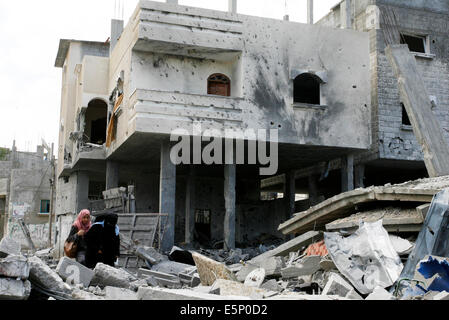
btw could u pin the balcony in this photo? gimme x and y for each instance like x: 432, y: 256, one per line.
x: 186, y: 31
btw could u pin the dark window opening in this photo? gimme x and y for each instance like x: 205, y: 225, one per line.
x: 415, y: 43
x: 45, y: 206
x: 202, y: 226
x: 95, y: 122
x: 306, y: 89
x: 405, y: 118
x: 219, y: 84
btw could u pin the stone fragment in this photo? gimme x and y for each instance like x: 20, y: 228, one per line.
x: 336, y: 285
x: 152, y: 293
x: 255, y: 278
x: 234, y: 288
x: 78, y: 294
x: 14, y: 266
x: 114, y: 293
x: 151, y: 254
x: 271, y: 285
x: 105, y: 275
x: 12, y: 289
x: 171, y: 267
x: 134, y: 285
x: 9, y: 246
x: 73, y: 272
x: 443, y: 295
x: 327, y: 265
x: 244, y: 271
x: 46, y: 277
x: 380, y: 293
x: 209, y: 270
x: 306, y: 266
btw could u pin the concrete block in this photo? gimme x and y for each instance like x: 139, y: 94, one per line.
x: 45, y: 276
x: 209, y: 270
x: 156, y: 274
x: 380, y: 293
x: 272, y: 266
x: 12, y: 289
x: 151, y: 254
x: 234, y: 288
x: 105, y: 275
x: 244, y: 271
x: 149, y: 293
x: 336, y: 285
x: 444, y: 295
x: 9, y: 246
x: 306, y: 266
x: 14, y: 266
x: 73, y: 272
x: 114, y: 293
x: 171, y: 267
x: 191, y: 280
x: 255, y: 278
x: 271, y: 285
x: 134, y: 285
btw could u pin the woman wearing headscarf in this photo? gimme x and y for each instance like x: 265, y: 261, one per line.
x: 77, y: 234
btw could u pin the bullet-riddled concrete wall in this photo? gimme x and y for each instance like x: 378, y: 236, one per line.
x: 261, y: 67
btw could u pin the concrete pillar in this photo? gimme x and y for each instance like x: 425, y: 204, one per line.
x: 289, y: 194
x: 313, y: 190
x: 345, y: 14
x: 232, y: 6
x: 310, y: 11
x: 82, y: 191
x: 229, y: 195
x: 190, y: 206
x: 359, y: 175
x: 347, y: 173
x: 112, y: 174
x: 172, y: 1
x: 116, y: 32
x: 167, y: 195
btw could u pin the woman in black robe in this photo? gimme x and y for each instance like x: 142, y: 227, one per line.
x: 103, y: 241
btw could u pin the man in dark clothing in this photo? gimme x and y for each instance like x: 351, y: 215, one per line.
x: 103, y: 241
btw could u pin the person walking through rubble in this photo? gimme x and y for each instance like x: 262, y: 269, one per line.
x: 77, y: 234
x: 103, y: 241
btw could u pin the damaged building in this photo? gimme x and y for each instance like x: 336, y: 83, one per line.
x: 326, y: 87
x: 26, y: 195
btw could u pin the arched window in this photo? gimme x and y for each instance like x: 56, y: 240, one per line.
x: 95, y: 121
x: 218, y: 84
x: 306, y: 89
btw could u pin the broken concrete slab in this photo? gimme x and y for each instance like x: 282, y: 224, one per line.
x: 336, y: 285
x: 9, y: 246
x: 209, y: 270
x: 293, y: 245
x: 306, y: 266
x: 14, y: 266
x: 444, y: 295
x: 73, y: 272
x: 13, y: 289
x: 105, y: 275
x: 150, y: 254
x: 114, y: 293
x: 380, y: 293
x: 402, y: 246
x: 271, y: 285
x: 191, y: 280
x: 234, y: 288
x: 255, y: 278
x: 366, y: 258
x: 244, y: 271
x: 151, y: 293
x: 162, y: 279
x: 42, y: 274
x: 327, y: 264
x: 134, y: 285
x: 171, y: 267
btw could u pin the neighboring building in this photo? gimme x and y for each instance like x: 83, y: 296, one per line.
x: 25, y: 192
x: 395, y: 155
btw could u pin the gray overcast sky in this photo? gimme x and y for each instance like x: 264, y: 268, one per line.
x: 30, y: 32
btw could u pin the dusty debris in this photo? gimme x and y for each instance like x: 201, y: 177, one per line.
x: 105, y: 275
x: 210, y: 270
x: 366, y: 258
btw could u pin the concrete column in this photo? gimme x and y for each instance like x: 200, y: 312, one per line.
x: 82, y: 191
x: 347, y: 173
x: 345, y: 14
x: 310, y: 11
x: 112, y: 174
x: 289, y: 194
x: 229, y: 195
x: 116, y: 32
x: 313, y: 190
x: 232, y: 6
x: 359, y: 174
x: 190, y: 206
x: 167, y: 195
